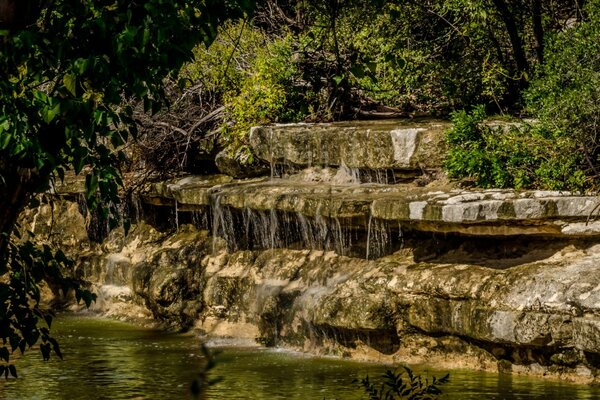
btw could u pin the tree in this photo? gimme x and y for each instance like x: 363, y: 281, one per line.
x: 66, y: 69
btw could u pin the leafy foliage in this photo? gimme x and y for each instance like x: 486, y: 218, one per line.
x: 26, y: 267
x: 251, y: 74
x: 64, y: 77
x: 264, y: 95
x: 518, y: 155
x: 562, y: 150
x: 566, y: 93
x: 404, y: 384
x: 344, y: 59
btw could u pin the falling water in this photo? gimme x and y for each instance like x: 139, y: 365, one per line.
x: 346, y: 175
x: 369, y: 236
x: 35, y: 216
x: 217, y: 219
x: 271, y: 153
x: 176, y: 215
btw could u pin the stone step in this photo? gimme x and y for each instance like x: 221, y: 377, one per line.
x: 471, y: 212
x: 402, y: 145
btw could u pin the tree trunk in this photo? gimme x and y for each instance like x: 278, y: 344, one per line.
x: 515, y: 39
x: 538, y: 29
x: 17, y: 14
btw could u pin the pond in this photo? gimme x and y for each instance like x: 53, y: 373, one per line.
x: 106, y: 359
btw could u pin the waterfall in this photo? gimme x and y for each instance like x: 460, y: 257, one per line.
x: 369, y: 236
x: 35, y: 216
x: 176, y: 215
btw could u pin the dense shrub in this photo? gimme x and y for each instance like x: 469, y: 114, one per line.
x: 566, y: 94
x: 562, y: 149
x: 519, y: 155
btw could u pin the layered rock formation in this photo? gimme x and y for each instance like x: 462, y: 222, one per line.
x: 486, y: 279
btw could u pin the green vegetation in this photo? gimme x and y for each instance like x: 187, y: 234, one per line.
x: 561, y: 149
x: 74, y: 94
x: 513, y: 155
x: 404, y: 384
x: 68, y: 69
x: 347, y: 59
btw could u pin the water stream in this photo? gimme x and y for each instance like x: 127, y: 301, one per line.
x: 112, y: 360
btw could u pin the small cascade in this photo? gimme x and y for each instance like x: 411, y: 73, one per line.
x: 317, y: 192
x: 217, y: 218
x: 346, y: 175
x: 379, y: 238
x: 35, y: 216
x: 136, y: 207
x: 251, y: 229
x: 176, y: 215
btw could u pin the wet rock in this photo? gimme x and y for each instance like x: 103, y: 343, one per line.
x: 537, y: 314
x: 399, y: 145
x: 233, y: 167
x: 470, y: 212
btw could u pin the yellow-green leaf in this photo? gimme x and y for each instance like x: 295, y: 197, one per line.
x: 70, y: 81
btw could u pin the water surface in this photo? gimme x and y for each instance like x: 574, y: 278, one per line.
x: 112, y: 360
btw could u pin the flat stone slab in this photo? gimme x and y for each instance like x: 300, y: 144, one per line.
x: 373, y: 145
x: 471, y: 212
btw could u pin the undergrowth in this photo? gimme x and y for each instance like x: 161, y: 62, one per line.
x: 513, y: 155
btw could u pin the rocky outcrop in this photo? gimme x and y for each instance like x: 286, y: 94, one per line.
x: 407, y: 272
x: 534, y: 315
x: 538, y: 317
x: 473, y: 212
x: 229, y: 165
x: 395, y: 145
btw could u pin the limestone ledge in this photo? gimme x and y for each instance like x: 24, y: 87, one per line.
x: 394, y: 144
x: 472, y: 212
x: 539, y: 316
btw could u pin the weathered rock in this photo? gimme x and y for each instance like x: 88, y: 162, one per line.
x: 396, y: 145
x: 335, y: 267
x: 190, y: 191
x: 539, y: 314
x: 470, y: 212
x: 229, y: 165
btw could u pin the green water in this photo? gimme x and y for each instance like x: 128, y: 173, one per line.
x: 113, y: 360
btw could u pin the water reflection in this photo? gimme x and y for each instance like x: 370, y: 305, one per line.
x: 112, y: 360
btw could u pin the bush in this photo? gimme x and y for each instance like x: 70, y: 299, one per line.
x: 404, y: 384
x: 566, y: 93
x: 512, y: 155
x: 252, y: 74
x: 265, y: 94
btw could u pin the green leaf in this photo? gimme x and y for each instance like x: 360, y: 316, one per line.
x: 32, y: 337
x: 337, y: 79
x: 5, y: 140
x: 56, y: 347
x: 70, y: 82
x: 49, y: 113
x: 4, y: 354
x: 45, y: 350
x: 48, y: 319
x: 14, y: 343
x: 81, y: 64
x: 91, y: 185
